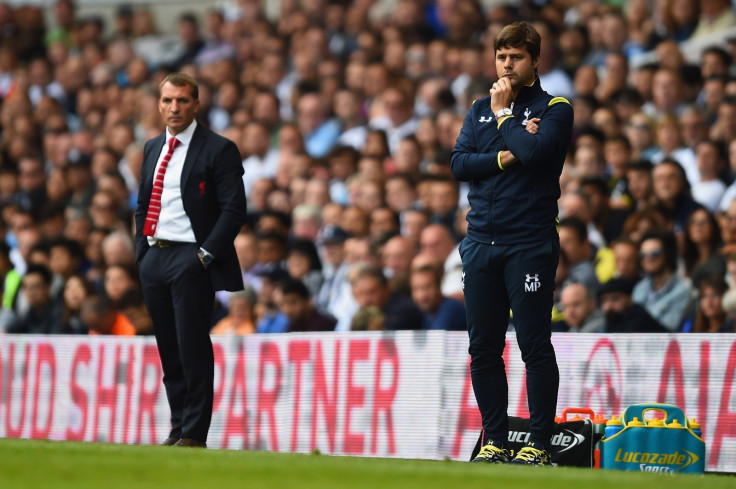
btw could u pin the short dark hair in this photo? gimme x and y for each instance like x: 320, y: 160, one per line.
x: 41, y: 270
x: 72, y: 247
x: 189, y: 17
x: 517, y: 35
x: 99, y: 304
x: 597, y: 183
x: 720, y: 150
x: 371, y: 271
x: 641, y: 165
x: 577, y: 225
x: 179, y: 79
x: 680, y: 171
x: 720, y: 52
x: 294, y: 286
x: 669, y: 245
x: 435, y: 270
x: 619, y: 138
x: 131, y: 298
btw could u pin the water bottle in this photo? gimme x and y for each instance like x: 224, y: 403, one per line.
x: 695, y: 427
x: 634, y: 423
x: 599, y: 428
x: 613, y: 426
x: 675, y: 424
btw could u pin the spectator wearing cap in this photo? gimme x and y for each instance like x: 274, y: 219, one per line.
x: 269, y: 319
x: 330, y: 242
x: 294, y: 301
x: 665, y: 296
x: 621, y: 313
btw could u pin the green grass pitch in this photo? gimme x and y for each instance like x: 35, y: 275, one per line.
x: 30, y: 464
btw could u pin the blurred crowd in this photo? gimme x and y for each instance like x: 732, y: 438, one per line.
x: 345, y: 114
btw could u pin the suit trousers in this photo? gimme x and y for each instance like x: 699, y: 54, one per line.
x: 179, y: 296
x: 520, y: 277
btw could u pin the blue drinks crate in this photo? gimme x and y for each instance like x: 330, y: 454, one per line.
x: 666, y: 445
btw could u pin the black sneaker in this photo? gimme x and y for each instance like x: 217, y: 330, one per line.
x: 492, y: 454
x: 531, y: 455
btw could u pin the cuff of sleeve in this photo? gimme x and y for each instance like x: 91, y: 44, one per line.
x: 503, y: 119
x: 499, y: 161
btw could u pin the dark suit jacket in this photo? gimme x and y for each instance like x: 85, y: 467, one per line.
x: 213, y: 197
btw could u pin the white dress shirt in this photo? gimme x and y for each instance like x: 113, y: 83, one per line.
x: 173, y: 221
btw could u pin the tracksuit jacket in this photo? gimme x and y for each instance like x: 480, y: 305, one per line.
x: 519, y: 204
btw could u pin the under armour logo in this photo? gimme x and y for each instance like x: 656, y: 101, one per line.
x: 485, y: 119
x: 532, y: 283
x: 527, y: 113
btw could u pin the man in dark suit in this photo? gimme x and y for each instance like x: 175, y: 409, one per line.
x: 191, y: 205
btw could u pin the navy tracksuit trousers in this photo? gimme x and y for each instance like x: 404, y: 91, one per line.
x: 497, y: 278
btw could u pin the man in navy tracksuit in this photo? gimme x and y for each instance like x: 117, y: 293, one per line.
x: 511, y: 149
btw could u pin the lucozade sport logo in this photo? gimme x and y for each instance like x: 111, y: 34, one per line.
x: 658, y: 462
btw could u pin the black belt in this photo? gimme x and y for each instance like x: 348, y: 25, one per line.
x: 163, y: 243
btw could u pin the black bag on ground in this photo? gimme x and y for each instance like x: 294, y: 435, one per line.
x: 572, y: 441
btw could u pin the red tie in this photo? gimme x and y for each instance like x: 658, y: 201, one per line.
x: 154, y: 206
